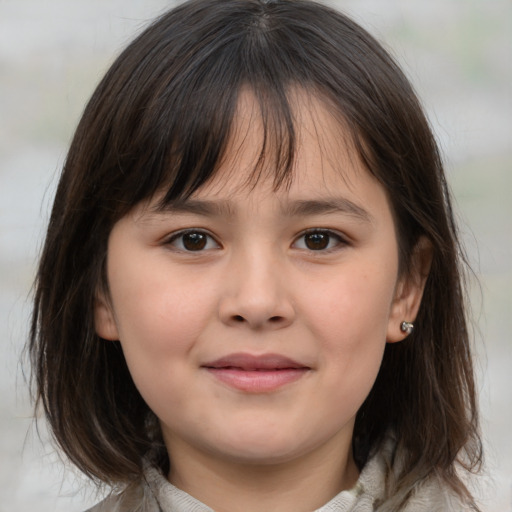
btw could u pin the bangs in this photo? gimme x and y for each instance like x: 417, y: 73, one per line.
x: 173, y: 96
x: 179, y: 124
x: 216, y: 140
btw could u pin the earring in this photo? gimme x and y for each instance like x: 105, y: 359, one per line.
x: 407, y: 327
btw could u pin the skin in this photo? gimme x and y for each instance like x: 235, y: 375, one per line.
x: 256, y: 287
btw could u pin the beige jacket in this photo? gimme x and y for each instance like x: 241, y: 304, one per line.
x: 156, y: 494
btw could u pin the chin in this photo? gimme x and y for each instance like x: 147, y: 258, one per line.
x: 264, y: 457
x: 263, y: 448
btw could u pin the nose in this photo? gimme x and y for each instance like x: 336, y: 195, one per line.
x: 256, y: 295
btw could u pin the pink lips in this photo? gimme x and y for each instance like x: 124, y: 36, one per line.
x: 256, y: 374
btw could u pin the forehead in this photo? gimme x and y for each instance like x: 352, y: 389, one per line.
x: 326, y: 176
x: 324, y: 158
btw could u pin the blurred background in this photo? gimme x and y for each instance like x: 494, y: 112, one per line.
x: 458, y: 53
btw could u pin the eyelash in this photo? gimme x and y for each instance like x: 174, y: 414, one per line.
x: 180, y: 234
x: 331, y: 235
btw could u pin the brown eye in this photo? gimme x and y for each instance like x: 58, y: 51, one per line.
x: 193, y: 241
x: 317, y: 241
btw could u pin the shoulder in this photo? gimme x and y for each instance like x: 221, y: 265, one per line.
x: 153, y: 493
x: 432, y: 494
x: 134, y: 498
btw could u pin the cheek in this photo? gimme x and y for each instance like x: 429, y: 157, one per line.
x: 158, y: 312
x: 158, y: 329
x: 349, y: 316
x: 355, y: 305
x: 159, y: 322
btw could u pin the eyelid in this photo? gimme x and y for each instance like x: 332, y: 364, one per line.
x: 342, y: 239
x: 175, y: 235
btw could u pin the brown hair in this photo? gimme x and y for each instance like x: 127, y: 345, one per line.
x: 160, y: 119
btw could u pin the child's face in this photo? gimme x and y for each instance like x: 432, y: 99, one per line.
x: 254, y: 322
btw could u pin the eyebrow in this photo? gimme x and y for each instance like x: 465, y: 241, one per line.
x: 329, y: 205
x: 296, y: 208
x: 197, y: 207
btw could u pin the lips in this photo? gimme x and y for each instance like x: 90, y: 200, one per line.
x: 255, y: 363
x: 256, y: 374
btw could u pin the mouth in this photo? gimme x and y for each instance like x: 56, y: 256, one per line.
x: 256, y: 374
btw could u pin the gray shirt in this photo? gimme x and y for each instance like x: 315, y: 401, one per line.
x: 156, y: 494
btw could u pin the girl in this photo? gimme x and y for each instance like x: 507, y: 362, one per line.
x: 250, y: 295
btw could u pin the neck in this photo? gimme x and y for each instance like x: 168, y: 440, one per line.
x: 303, y: 484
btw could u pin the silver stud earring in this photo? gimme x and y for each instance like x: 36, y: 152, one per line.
x: 407, y: 327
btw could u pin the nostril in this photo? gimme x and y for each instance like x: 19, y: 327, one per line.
x: 273, y: 319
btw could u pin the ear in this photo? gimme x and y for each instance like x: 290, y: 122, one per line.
x: 104, y: 320
x: 409, y: 291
